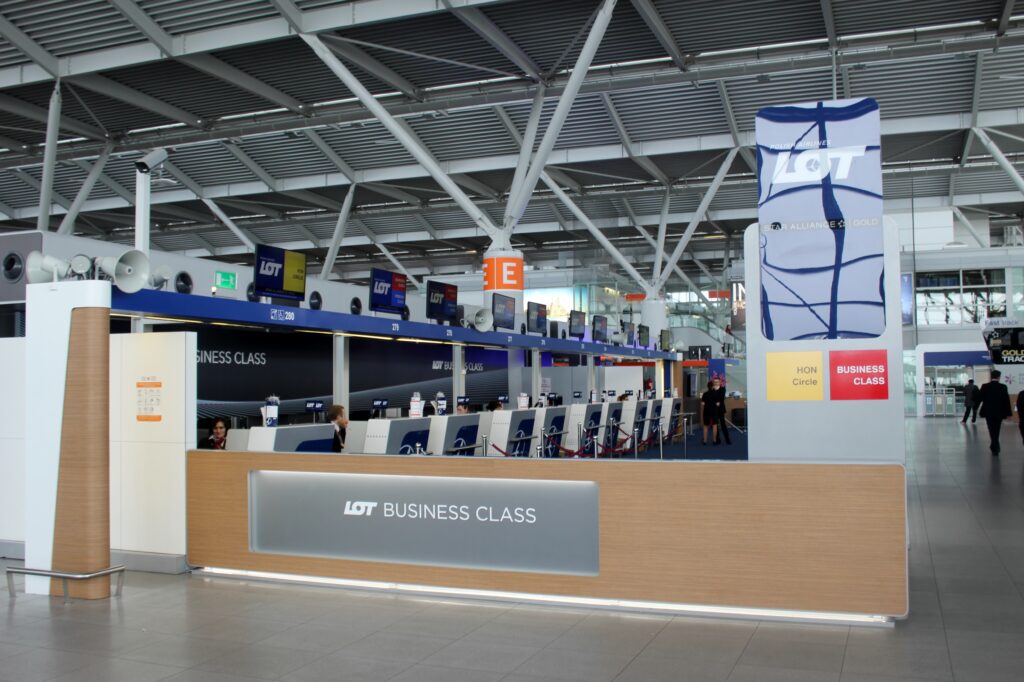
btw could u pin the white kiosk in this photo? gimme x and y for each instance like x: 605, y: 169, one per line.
x: 583, y: 424
x: 511, y: 433
x: 454, y: 434
x: 549, y: 430
x: 406, y: 436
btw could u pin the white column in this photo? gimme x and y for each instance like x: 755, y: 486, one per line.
x: 341, y: 375
x: 458, y: 375
x: 49, y: 160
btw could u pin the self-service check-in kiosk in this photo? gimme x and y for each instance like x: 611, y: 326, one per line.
x: 582, y: 425
x: 549, y: 430
x: 454, y: 434
x: 511, y: 433
x: 671, y: 417
x: 298, y: 438
x: 407, y: 436
x: 611, y: 420
x: 634, y: 420
x: 654, y: 411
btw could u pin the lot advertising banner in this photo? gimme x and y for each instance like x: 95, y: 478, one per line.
x: 820, y: 215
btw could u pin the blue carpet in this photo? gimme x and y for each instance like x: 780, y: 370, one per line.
x: 692, y: 449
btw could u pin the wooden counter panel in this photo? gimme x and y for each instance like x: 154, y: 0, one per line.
x: 815, y: 537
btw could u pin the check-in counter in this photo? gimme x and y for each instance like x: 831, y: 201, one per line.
x: 582, y: 426
x: 511, y: 433
x: 609, y: 435
x: 405, y: 436
x: 549, y: 430
x: 454, y: 434
x: 817, y: 539
x: 671, y: 417
x: 634, y: 420
x: 297, y: 438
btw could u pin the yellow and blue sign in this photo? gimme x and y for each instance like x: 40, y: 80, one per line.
x: 279, y: 273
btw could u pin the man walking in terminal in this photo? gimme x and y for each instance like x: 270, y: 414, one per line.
x: 995, y: 407
x: 970, y: 401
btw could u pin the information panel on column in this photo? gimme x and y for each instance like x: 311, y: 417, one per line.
x: 825, y: 337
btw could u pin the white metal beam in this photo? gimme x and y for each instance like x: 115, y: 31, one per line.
x: 498, y: 39
x: 13, y: 145
x: 705, y: 203
x: 68, y: 223
x: 390, y: 256
x: 145, y: 24
x: 49, y: 158
x: 644, y: 162
x: 221, y: 70
x: 474, y: 185
x: 205, y: 244
x: 375, y: 68
x: 28, y: 47
x: 291, y: 13
x: 182, y: 177
x: 333, y: 156
x: 525, y: 150
x: 979, y: 67
x: 830, y: 24
x: 315, y: 199
x: 406, y: 137
x: 339, y: 233
x: 251, y: 164
x: 394, y: 193
x: 659, y: 249
x: 255, y: 208
x: 677, y: 270
x: 1004, y: 17
x: 34, y: 113
x: 649, y: 13
x: 114, y: 90
x: 959, y: 214
x: 561, y: 113
x: 58, y: 199
x: 245, y: 237
x: 1000, y: 158
x: 734, y: 129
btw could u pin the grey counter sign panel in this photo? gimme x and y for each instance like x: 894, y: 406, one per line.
x: 481, y: 523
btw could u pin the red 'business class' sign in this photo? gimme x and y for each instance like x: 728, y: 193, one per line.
x: 858, y: 375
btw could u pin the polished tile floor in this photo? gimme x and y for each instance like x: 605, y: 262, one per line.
x: 966, y: 623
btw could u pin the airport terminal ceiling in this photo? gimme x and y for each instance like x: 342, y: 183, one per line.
x: 255, y: 122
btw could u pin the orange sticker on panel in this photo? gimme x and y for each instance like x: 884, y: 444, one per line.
x: 503, y: 273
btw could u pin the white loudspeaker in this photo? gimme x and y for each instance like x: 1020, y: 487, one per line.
x: 483, y: 321
x: 617, y: 338
x: 161, y: 276
x: 129, y: 271
x: 40, y: 269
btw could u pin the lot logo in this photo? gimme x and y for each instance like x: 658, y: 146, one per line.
x: 269, y: 267
x: 359, y: 508
x: 813, y: 165
x: 381, y: 287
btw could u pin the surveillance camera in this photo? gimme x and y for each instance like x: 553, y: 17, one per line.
x: 151, y: 161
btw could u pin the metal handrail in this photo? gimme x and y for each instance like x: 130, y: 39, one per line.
x: 65, y: 576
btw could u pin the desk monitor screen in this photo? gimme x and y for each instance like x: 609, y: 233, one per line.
x: 442, y: 301
x: 536, y: 318
x: 462, y: 400
x: 599, y: 328
x: 279, y: 273
x: 503, y: 398
x: 504, y: 310
x: 387, y: 291
x: 379, y: 404
x: 577, y: 324
x: 644, y: 336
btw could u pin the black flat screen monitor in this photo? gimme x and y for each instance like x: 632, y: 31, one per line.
x: 644, y: 335
x: 599, y: 328
x: 442, y: 301
x: 536, y: 318
x: 577, y: 324
x: 387, y: 291
x: 504, y: 310
x: 666, y: 339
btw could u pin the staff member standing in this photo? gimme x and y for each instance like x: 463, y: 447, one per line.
x: 995, y: 407
x: 336, y: 416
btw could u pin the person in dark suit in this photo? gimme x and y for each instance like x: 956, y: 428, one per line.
x: 723, y: 428
x: 995, y: 407
x: 970, y: 401
x: 336, y: 415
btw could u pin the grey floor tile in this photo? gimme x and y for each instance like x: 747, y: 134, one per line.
x: 184, y: 652
x: 316, y: 637
x: 340, y: 667
x: 480, y: 655
x: 426, y: 673
x: 38, y: 665
x: 7, y: 649
x: 537, y: 633
x: 260, y: 660
x: 654, y: 668
x: 898, y: 659
x: 196, y: 675
x: 860, y: 677
x: 746, y: 673
x: 592, y: 666
x: 396, y: 647
x: 240, y: 630
x: 119, y: 670
x: 800, y: 655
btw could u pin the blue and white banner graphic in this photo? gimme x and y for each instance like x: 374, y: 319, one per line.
x: 820, y: 215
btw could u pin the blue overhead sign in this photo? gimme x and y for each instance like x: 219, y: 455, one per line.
x: 387, y: 291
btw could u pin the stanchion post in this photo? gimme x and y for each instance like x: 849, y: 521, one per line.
x: 485, y: 445
x: 636, y: 443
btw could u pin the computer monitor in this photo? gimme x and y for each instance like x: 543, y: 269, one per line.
x: 666, y: 339
x: 629, y: 331
x: 279, y: 274
x: 577, y: 324
x: 442, y: 301
x: 387, y: 291
x: 644, y: 336
x: 536, y: 318
x: 503, y: 308
x: 599, y: 328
